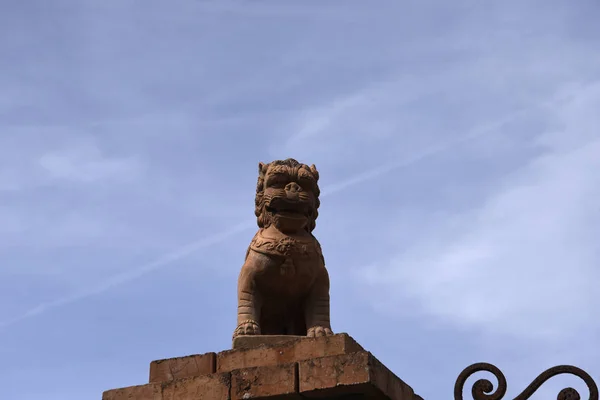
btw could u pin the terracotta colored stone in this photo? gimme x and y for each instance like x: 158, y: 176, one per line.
x: 331, y: 367
x: 294, y: 350
x: 350, y: 374
x: 276, y: 382
x: 205, y: 387
x: 142, y: 392
x: 253, y: 341
x: 182, y: 367
x: 284, y: 265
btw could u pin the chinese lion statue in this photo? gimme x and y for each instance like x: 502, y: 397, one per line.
x: 283, y: 286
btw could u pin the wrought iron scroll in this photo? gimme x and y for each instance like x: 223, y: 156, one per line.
x: 483, y: 388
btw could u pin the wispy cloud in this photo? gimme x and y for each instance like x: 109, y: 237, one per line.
x: 374, y: 173
x: 524, y: 262
x: 67, y: 155
x: 127, y: 131
x: 195, y: 246
x: 86, y: 165
x: 135, y: 273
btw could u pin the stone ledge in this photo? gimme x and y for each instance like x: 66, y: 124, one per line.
x: 357, y: 374
x: 253, y: 341
x: 253, y: 351
x: 274, y: 350
x: 151, y: 391
x: 334, y: 367
x: 205, y: 387
x: 182, y: 367
x: 257, y: 341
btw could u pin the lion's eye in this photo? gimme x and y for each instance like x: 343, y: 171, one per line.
x: 276, y: 183
x: 306, y: 184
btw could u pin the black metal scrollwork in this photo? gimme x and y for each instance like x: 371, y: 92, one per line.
x: 483, y: 388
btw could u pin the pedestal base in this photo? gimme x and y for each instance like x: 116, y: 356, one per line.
x: 272, y: 367
x: 252, y: 341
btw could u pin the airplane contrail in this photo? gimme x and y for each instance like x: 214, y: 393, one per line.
x: 186, y: 250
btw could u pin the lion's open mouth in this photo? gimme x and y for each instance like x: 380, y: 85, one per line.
x: 291, y: 211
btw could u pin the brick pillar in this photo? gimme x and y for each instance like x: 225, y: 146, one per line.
x: 272, y: 367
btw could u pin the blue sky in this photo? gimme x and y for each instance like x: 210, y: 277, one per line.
x: 458, y: 149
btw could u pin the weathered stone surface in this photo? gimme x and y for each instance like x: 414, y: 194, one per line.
x: 182, y: 367
x: 253, y: 341
x: 334, y: 367
x: 142, y: 392
x: 350, y: 374
x: 275, y: 382
x: 284, y: 264
x: 204, y: 387
x: 294, y: 350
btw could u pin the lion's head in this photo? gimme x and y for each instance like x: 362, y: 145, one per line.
x: 287, y: 195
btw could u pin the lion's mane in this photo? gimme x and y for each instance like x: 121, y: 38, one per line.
x: 263, y: 217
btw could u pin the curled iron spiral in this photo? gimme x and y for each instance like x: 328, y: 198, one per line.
x: 483, y: 388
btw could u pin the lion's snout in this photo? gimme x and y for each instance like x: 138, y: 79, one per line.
x: 293, y: 187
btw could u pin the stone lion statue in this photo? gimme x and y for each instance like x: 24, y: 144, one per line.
x: 283, y: 286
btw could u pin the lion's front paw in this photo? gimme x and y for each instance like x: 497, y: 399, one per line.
x: 248, y: 327
x: 317, y: 331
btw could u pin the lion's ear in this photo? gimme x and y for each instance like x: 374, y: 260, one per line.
x: 314, y: 171
x: 262, y: 168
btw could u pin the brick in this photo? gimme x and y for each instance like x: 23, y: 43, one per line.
x: 253, y: 341
x: 274, y: 382
x: 301, y: 348
x: 350, y: 374
x: 182, y: 367
x: 205, y: 387
x: 142, y: 392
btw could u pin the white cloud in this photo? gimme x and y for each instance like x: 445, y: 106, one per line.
x: 59, y: 155
x: 525, y: 262
x: 190, y: 248
x: 42, y: 172
x: 371, y: 113
x: 86, y: 165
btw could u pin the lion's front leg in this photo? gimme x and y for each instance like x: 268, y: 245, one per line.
x: 317, y: 308
x: 248, y: 315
